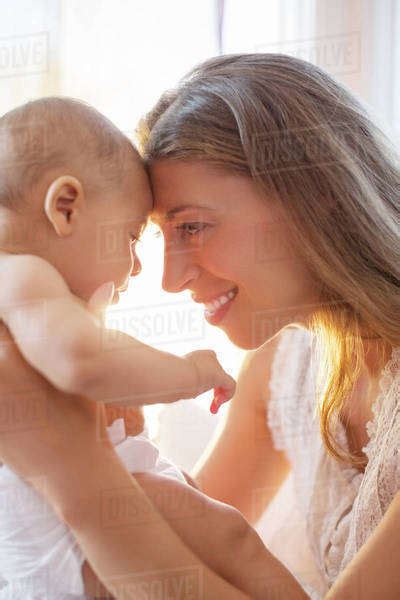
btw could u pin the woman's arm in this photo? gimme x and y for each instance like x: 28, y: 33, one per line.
x: 242, y: 466
x: 374, y: 572
x: 233, y: 550
x: 128, y: 543
x: 120, y: 531
x: 116, y: 522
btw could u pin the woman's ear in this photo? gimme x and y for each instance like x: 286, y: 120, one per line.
x: 63, y: 202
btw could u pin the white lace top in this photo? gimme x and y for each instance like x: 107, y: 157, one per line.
x: 341, y: 506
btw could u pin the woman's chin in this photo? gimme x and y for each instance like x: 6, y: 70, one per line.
x: 241, y: 337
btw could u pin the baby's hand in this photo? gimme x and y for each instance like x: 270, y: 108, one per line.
x: 210, y: 374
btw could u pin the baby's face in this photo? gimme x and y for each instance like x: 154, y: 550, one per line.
x: 119, y: 223
x: 102, y: 245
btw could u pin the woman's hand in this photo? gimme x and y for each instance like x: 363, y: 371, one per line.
x: 41, y: 427
x: 132, y: 415
x: 48, y: 424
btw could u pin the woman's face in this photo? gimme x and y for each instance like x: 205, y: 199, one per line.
x: 228, y: 244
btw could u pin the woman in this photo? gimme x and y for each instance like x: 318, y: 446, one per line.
x: 278, y: 201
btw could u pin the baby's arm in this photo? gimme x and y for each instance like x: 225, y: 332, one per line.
x: 68, y: 345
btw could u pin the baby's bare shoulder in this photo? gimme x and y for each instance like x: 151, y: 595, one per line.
x: 27, y: 277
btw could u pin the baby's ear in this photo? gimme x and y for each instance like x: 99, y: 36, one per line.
x: 63, y: 202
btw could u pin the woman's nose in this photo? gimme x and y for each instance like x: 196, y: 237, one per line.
x: 178, y: 273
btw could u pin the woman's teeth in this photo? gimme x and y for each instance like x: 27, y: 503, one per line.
x: 212, y: 307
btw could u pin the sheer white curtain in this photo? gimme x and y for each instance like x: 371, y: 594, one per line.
x: 29, y: 43
x: 121, y: 54
x: 356, y: 41
x: 372, y: 30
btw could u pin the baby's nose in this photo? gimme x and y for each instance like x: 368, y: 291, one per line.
x: 136, y: 268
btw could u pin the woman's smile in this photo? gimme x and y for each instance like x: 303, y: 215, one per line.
x: 216, y: 307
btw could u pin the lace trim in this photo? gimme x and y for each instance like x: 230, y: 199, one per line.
x: 289, y: 368
x: 386, y: 380
x: 335, y: 550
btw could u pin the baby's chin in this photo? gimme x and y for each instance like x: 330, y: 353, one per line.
x: 97, y: 298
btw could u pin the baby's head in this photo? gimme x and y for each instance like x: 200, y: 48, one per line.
x: 73, y: 191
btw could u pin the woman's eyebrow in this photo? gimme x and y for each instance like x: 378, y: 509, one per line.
x: 178, y: 209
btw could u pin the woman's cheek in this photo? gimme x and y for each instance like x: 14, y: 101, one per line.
x: 219, y: 258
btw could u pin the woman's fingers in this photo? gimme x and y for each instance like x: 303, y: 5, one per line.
x: 40, y: 424
x: 133, y: 417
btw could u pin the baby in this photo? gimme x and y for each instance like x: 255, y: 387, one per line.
x: 69, y: 179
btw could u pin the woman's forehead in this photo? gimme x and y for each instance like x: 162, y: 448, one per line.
x: 182, y: 184
x: 197, y: 186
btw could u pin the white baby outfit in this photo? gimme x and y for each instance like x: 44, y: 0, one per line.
x: 340, y: 505
x: 39, y: 556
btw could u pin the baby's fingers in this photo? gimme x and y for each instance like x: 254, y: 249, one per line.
x: 225, y: 386
x: 223, y: 392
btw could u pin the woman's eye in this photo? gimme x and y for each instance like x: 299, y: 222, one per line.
x: 191, y: 229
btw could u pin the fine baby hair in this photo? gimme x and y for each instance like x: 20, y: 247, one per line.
x: 54, y: 133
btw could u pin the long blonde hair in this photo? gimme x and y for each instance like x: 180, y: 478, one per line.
x: 309, y: 142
